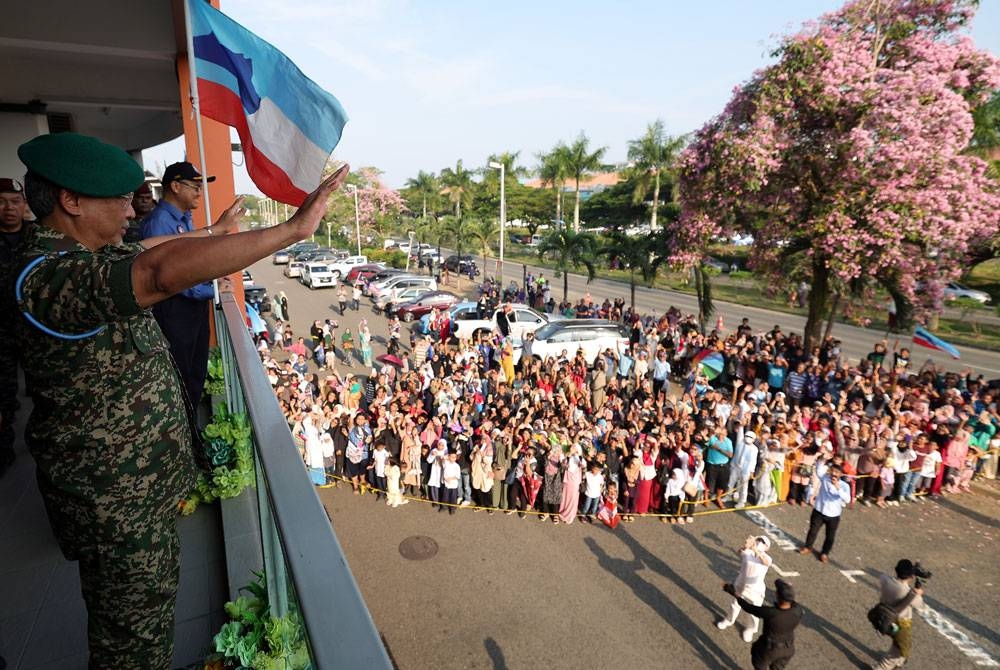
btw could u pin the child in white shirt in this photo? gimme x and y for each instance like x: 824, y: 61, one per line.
x: 593, y: 484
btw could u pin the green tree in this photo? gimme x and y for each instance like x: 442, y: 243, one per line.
x: 553, y: 170
x: 580, y: 162
x: 644, y: 254
x: 570, y: 249
x: 614, y: 208
x: 425, y: 188
x: 653, y: 156
x: 482, y: 233
x: 458, y: 186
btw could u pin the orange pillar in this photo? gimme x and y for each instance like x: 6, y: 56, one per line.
x: 219, y: 162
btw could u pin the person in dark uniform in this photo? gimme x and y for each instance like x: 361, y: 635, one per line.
x: 109, y: 432
x: 183, y: 318
x: 776, y: 646
x: 13, y: 228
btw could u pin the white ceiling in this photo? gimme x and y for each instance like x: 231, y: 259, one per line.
x: 109, y: 64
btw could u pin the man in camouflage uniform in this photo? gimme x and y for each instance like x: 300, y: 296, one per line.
x: 12, y: 231
x: 109, y: 431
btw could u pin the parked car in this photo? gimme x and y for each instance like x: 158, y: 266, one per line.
x: 247, y: 279
x: 397, y: 296
x: 521, y: 318
x: 954, y: 291
x: 592, y: 337
x: 293, y: 268
x: 425, y: 304
x: 461, y: 265
x: 382, y: 275
x: 281, y: 257
x: 317, y: 275
x: 257, y: 296
x: 363, y: 272
x: 721, y: 266
x: 400, y: 281
x: 430, y: 255
x: 342, y: 266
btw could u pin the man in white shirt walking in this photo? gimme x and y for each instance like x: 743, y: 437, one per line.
x: 833, y: 494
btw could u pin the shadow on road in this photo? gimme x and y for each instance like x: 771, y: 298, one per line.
x: 693, y: 632
x: 966, y: 512
x: 843, y: 642
x: 495, y: 653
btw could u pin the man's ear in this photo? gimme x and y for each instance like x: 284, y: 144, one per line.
x: 70, y: 202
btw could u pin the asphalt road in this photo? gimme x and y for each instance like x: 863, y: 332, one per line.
x: 503, y: 592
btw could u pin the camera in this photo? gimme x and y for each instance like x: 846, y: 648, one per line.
x: 921, y: 575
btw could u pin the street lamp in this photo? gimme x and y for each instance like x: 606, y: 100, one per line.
x: 357, y: 215
x: 503, y: 213
x: 413, y: 237
x: 329, y: 233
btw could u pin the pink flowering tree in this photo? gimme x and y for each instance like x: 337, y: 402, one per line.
x: 379, y: 208
x: 846, y: 155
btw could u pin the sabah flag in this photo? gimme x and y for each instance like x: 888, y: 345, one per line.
x: 288, y: 124
x: 926, y: 339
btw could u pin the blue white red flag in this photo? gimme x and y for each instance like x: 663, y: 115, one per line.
x: 288, y: 124
x: 926, y: 339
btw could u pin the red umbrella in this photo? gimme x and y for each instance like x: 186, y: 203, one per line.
x: 390, y: 359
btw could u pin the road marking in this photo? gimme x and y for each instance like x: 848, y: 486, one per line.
x: 958, y: 638
x: 783, y: 573
x: 851, y: 574
x: 934, y: 619
x: 780, y: 537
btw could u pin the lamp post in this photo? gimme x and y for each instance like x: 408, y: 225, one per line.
x: 357, y: 215
x: 413, y: 237
x: 329, y: 233
x: 503, y: 212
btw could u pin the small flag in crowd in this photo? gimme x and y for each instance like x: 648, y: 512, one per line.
x: 288, y: 124
x: 926, y: 339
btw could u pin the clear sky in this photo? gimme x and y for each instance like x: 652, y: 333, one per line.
x: 431, y: 81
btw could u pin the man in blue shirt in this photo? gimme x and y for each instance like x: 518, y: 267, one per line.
x: 833, y: 494
x: 183, y: 318
x: 718, y: 453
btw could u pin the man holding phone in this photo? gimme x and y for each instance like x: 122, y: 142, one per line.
x: 833, y: 494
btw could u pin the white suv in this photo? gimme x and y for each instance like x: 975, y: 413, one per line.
x: 317, y: 275
x: 592, y: 336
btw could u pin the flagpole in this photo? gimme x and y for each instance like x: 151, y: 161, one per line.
x: 196, y: 107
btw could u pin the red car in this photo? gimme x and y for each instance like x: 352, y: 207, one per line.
x: 362, y: 272
x: 426, y: 303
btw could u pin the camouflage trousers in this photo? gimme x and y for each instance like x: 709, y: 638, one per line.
x: 129, y: 570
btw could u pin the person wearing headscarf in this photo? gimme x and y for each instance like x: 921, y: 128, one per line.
x: 749, y: 584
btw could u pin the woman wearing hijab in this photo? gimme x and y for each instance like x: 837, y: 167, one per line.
x: 572, y: 476
x: 365, y: 344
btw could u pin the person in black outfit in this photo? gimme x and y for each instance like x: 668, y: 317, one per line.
x: 776, y: 646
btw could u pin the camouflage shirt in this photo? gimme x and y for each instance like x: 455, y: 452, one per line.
x: 109, y: 425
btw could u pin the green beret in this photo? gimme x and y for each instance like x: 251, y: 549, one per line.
x: 82, y: 164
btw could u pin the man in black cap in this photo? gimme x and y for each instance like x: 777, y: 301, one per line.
x: 108, y: 430
x: 142, y: 204
x: 13, y: 207
x: 776, y: 646
x: 184, y: 317
x: 900, y: 594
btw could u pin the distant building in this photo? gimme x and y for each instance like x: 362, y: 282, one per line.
x: 588, y: 187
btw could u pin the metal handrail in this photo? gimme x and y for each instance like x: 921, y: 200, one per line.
x: 339, y: 628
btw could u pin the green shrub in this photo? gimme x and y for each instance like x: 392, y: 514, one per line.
x: 393, y: 258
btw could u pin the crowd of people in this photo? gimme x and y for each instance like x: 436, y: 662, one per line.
x: 649, y: 430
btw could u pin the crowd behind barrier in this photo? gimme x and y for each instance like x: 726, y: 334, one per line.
x: 674, y: 424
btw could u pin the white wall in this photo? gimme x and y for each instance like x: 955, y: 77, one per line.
x: 15, y: 130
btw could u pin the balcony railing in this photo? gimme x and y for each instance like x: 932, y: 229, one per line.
x: 306, y: 569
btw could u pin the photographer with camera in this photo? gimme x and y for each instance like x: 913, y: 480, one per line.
x: 901, y: 594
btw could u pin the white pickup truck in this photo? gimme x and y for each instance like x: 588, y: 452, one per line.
x: 343, y: 266
x: 317, y: 275
x: 521, y: 319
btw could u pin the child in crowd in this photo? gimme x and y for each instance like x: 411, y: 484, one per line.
x: 593, y: 485
x: 929, y: 469
x: 887, y: 473
x: 392, y: 474
x: 608, y: 513
x: 673, y: 493
x: 380, y: 457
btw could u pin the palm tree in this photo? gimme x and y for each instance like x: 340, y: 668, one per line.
x: 580, y: 162
x: 570, y: 249
x: 644, y: 253
x: 457, y: 185
x: 653, y: 155
x: 425, y: 185
x: 482, y: 234
x: 454, y: 231
x: 552, y: 171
